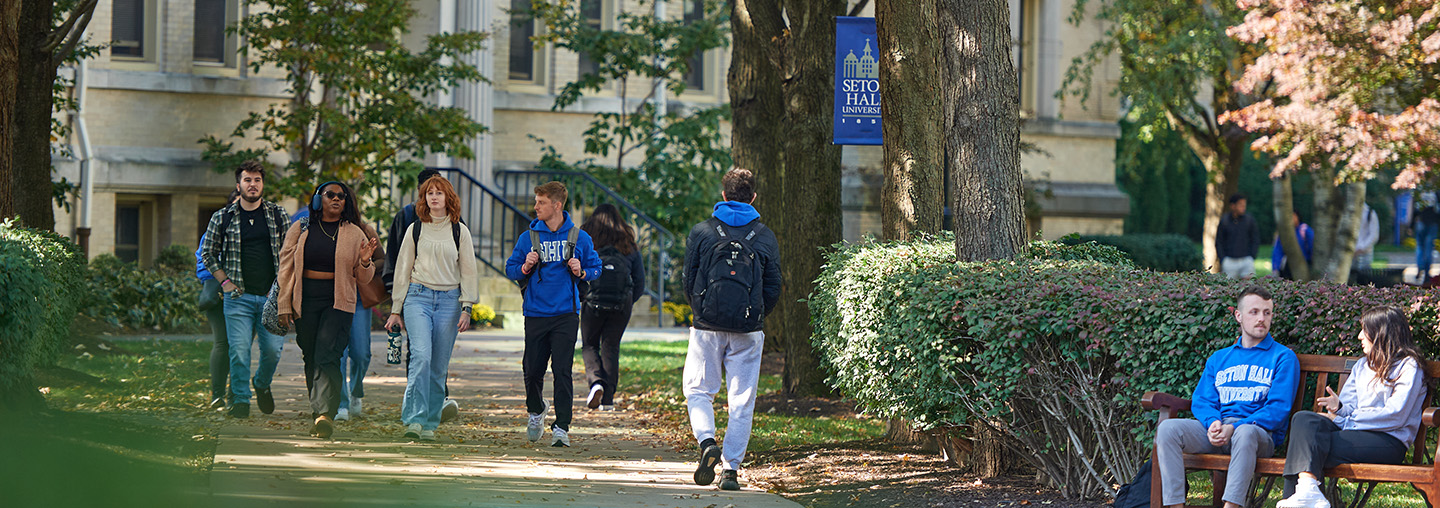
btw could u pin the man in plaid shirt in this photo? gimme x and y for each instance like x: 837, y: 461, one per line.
x: 242, y: 251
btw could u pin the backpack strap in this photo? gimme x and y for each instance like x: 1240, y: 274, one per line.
x: 455, y: 233
x: 571, y: 241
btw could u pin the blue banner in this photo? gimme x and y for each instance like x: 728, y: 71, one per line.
x: 857, y: 82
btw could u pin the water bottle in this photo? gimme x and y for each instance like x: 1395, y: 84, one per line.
x: 392, y: 356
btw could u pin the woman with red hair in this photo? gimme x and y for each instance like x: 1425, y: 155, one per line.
x: 435, y: 281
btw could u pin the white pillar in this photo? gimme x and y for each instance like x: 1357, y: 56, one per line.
x: 1048, y: 58
x: 477, y: 98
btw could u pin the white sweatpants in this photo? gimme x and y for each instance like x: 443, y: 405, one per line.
x: 739, y: 355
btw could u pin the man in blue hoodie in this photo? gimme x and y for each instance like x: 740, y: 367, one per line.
x: 732, y: 279
x: 549, y: 260
x: 1241, y: 406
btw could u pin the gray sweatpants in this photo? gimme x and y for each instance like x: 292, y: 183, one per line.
x: 739, y: 354
x: 1176, y: 436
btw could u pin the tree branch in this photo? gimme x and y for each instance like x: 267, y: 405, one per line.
x: 68, y: 31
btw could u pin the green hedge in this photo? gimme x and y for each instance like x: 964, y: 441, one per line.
x: 162, y: 298
x: 1163, y: 252
x: 42, y: 284
x: 1054, y: 350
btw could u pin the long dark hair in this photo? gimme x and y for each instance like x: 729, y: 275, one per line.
x: 350, y: 213
x: 608, y: 228
x: 1390, y: 342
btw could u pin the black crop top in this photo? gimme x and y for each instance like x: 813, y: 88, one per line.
x: 320, y: 246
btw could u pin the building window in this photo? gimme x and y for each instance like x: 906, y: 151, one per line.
x: 127, y: 29
x: 1024, y: 50
x: 522, y: 48
x: 212, y: 45
x: 591, y: 11
x: 127, y: 233
x: 695, y: 79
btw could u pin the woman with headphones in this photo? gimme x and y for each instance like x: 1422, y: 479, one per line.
x: 325, y: 256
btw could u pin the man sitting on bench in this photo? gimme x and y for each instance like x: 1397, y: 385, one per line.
x: 1241, y: 406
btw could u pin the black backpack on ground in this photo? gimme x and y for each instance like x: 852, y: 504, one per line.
x: 614, y: 289
x: 1135, y: 494
x: 731, y: 298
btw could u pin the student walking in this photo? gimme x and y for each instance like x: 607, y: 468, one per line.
x: 212, y: 303
x: 434, y: 279
x: 1372, y: 420
x: 242, y: 250
x: 318, y: 278
x: 548, y: 260
x: 732, y: 280
x: 608, y: 302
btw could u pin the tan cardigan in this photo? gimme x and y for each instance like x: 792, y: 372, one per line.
x: 348, y: 271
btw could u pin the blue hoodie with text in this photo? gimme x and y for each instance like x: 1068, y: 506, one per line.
x: 1256, y: 385
x: 553, y: 290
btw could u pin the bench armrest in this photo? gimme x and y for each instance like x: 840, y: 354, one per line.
x: 1429, y: 417
x: 1169, y: 405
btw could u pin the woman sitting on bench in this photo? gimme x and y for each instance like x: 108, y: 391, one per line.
x: 1372, y: 420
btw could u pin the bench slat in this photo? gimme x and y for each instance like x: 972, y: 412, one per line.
x: 1274, y: 466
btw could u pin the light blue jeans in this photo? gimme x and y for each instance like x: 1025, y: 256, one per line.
x: 242, y: 326
x: 431, y: 318
x: 356, y: 359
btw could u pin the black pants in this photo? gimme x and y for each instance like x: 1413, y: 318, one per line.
x: 552, y: 340
x: 323, y: 333
x: 1317, y: 443
x: 600, y: 332
x: 219, y: 354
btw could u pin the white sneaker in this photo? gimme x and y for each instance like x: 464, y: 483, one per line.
x: 342, y: 415
x: 562, y: 438
x: 412, y: 431
x: 607, y: 407
x: 449, y: 411
x: 355, y: 405
x: 597, y: 392
x: 1307, y: 495
x: 536, y: 425
x: 427, y: 435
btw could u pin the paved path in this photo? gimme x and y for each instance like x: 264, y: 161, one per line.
x: 482, y: 459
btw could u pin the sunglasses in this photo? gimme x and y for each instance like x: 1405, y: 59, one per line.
x: 334, y: 195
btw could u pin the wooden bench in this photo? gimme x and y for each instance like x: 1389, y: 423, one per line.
x: 1421, y: 473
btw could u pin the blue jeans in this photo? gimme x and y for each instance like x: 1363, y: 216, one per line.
x: 431, y: 318
x: 356, y: 359
x: 1424, y: 246
x: 242, y: 326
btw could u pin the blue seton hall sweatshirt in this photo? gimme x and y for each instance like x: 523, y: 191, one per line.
x: 1256, y: 385
x: 552, y: 290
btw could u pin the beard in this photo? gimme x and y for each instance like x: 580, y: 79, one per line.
x: 250, y: 199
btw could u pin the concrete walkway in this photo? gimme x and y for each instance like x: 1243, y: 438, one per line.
x: 482, y: 459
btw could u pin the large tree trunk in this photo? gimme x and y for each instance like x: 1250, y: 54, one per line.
x: 1336, y: 223
x: 1285, y: 228
x: 812, y: 179
x: 981, y: 105
x: 9, y: 83
x: 31, y: 187
x: 912, y: 199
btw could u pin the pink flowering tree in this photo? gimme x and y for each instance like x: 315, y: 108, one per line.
x: 1356, y: 89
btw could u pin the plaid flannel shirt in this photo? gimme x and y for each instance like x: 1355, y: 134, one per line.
x: 222, y: 249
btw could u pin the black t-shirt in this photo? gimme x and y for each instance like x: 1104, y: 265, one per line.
x: 257, y: 262
x: 320, y: 246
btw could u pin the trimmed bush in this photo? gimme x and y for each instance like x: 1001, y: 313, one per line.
x: 42, y: 275
x: 1165, y: 252
x: 1055, y: 351
x: 161, y: 299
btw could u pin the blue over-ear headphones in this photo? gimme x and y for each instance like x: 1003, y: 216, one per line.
x: 315, y: 200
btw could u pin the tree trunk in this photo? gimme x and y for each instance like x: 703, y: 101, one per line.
x: 9, y: 83
x: 1336, y: 224
x: 812, y: 179
x: 912, y: 199
x: 981, y: 101
x: 1285, y: 227
x: 31, y: 188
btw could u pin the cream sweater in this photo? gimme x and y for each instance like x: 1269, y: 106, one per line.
x: 436, y: 263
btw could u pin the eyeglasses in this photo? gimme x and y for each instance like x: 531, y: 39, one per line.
x: 334, y: 195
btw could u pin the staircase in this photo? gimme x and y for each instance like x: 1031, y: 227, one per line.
x: 496, y: 223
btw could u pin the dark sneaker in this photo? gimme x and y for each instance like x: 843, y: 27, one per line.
x: 323, y: 427
x: 265, y: 399
x: 730, y: 480
x: 239, y: 410
x: 597, y: 393
x: 709, y: 458
x: 218, y: 403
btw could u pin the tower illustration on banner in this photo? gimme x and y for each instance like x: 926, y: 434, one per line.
x: 861, y: 87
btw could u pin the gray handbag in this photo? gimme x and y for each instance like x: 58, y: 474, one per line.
x: 270, y: 314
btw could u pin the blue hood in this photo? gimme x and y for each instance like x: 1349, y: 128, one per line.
x: 539, y: 225
x: 735, y: 213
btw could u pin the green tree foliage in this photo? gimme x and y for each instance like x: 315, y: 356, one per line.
x: 1154, y: 167
x: 361, y: 108
x: 681, y: 149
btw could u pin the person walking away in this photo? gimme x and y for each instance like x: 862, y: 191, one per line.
x: 242, y: 250
x: 548, y: 260
x: 608, y: 302
x: 1237, y: 239
x: 215, y: 314
x: 435, y: 282
x: 1372, y: 420
x: 1304, y: 235
x: 320, y: 265
x: 1425, y: 223
x: 732, y: 280
x: 1369, y: 236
